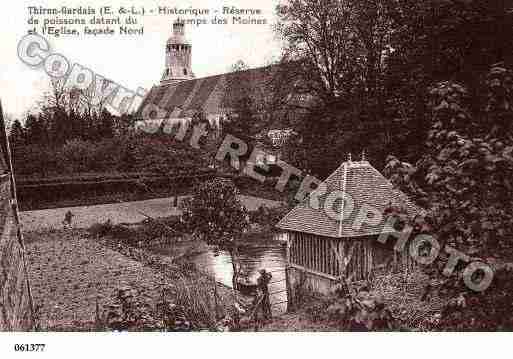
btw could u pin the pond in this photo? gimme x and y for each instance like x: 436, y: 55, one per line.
x: 269, y: 255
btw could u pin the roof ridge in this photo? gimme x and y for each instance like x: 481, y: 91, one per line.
x: 307, y: 197
x: 344, y: 179
x: 359, y: 181
x: 220, y: 75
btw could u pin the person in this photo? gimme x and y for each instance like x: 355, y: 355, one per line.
x: 68, y: 218
x: 263, y: 288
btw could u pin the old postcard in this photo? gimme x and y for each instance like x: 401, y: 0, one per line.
x: 254, y: 166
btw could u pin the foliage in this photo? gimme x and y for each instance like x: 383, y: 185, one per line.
x: 369, y: 66
x: 78, y: 155
x: 353, y: 307
x: 17, y: 134
x: 339, y: 48
x: 215, y: 214
x: 199, y: 305
x: 128, y: 312
x: 442, y: 39
x: 464, y: 182
x: 155, y: 154
x: 186, y: 306
x: 160, y: 153
x: 435, y: 41
x: 464, y: 179
x: 266, y: 216
x: 358, y: 309
x: 35, y: 160
x: 321, y: 143
x: 146, y: 234
x: 247, y: 99
x: 327, y: 45
x: 485, y: 311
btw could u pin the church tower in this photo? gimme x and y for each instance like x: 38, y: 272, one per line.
x: 178, y: 56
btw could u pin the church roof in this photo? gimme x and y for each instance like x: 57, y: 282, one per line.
x: 365, y: 186
x: 184, y: 98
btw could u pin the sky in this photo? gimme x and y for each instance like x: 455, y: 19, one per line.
x: 131, y: 61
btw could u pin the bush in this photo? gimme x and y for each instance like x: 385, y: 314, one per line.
x: 128, y: 312
x: 107, y: 155
x: 352, y: 308
x: 358, y: 310
x: 165, y: 156
x: 78, y: 155
x: 190, y: 304
x: 215, y: 214
x: 486, y: 311
x: 265, y: 216
x: 35, y: 159
x: 145, y: 234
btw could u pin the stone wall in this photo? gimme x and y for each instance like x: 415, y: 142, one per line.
x: 16, y: 312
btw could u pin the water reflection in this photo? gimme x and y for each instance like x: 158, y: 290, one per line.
x: 251, y: 259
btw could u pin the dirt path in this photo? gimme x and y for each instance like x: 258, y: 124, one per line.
x: 126, y: 212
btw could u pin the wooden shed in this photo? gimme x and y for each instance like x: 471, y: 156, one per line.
x: 329, y: 237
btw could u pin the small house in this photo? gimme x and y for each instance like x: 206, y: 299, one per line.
x: 328, y: 237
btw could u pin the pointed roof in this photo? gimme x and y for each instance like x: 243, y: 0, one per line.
x: 184, y: 98
x: 358, y: 181
x: 270, y: 85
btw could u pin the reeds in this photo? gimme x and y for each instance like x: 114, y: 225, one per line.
x: 198, y: 299
x: 402, y: 293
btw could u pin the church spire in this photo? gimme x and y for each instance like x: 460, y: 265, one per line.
x: 178, y: 56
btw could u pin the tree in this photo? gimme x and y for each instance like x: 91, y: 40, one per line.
x: 106, y: 124
x: 338, y: 49
x: 464, y: 178
x: 17, y: 134
x: 370, y: 64
x: 439, y: 40
x: 245, y: 97
x: 78, y: 155
x: 36, y: 131
x: 216, y: 216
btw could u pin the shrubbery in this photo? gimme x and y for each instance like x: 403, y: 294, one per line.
x: 485, y: 311
x: 215, y: 214
x: 78, y: 155
x: 350, y: 307
x: 119, y: 154
x: 36, y: 160
x: 268, y: 217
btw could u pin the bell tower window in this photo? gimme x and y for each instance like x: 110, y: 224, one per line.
x: 178, y: 56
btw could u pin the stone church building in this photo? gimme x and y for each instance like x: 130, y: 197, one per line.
x: 180, y: 94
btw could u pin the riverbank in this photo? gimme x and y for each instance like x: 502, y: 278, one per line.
x: 85, y: 274
x: 76, y: 277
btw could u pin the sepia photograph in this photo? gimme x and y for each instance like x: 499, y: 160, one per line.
x: 287, y: 172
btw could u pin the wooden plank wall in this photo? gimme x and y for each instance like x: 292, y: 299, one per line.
x: 319, y: 255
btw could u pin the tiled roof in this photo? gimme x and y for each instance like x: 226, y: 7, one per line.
x: 365, y: 186
x: 182, y: 99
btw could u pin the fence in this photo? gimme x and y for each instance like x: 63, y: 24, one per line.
x: 16, y: 309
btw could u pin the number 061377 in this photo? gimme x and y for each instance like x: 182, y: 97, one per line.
x: 29, y: 347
